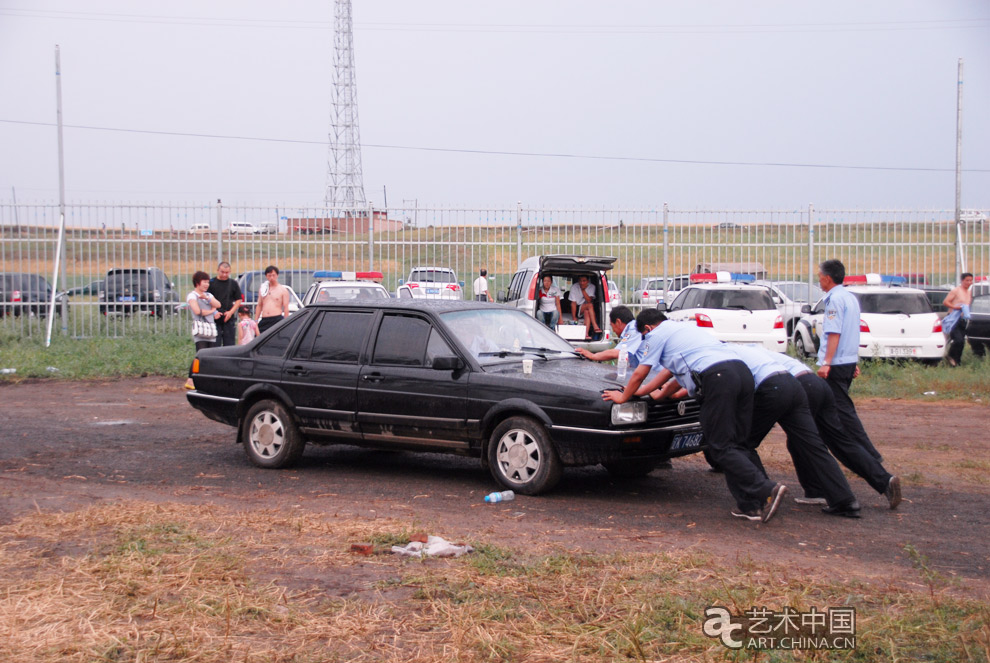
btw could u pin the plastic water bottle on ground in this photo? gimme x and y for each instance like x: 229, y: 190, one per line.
x: 504, y: 496
x: 623, y: 365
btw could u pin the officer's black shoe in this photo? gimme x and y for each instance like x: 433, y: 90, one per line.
x: 846, y: 510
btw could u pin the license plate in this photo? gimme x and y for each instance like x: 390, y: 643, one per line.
x: 902, y: 352
x: 686, y: 441
x: 433, y: 291
x: 130, y: 298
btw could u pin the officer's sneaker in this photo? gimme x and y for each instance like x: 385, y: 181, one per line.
x: 893, y: 492
x: 772, y: 503
x: 821, y: 501
x: 748, y: 515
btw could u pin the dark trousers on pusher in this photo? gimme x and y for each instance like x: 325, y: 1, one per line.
x: 780, y: 399
x: 226, y: 331
x: 846, y: 450
x: 726, y: 397
x: 840, y: 378
x: 957, y: 340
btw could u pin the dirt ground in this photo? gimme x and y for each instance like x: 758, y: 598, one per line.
x: 66, y: 445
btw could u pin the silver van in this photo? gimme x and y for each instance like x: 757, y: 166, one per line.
x: 565, y: 270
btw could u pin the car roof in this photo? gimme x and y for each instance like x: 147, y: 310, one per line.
x: 726, y: 286
x: 340, y: 284
x: 426, y: 305
x: 431, y: 269
x: 883, y: 288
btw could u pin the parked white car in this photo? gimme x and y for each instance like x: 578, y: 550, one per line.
x: 242, y: 227
x: 651, y: 289
x: 733, y: 311
x: 895, y: 322
x: 431, y: 283
x: 790, y: 296
x: 345, y: 285
x: 614, y: 294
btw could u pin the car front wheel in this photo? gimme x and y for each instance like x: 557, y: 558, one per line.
x: 270, y: 437
x: 802, y: 351
x: 521, y: 457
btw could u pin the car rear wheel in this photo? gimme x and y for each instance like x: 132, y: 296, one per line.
x: 270, y: 437
x: 521, y: 457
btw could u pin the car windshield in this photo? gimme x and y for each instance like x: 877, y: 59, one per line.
x: 798, y: 292
x: 432, y: 276
x: 491, y: 335
x: 893, y: 302
x: 351, y: 292
x: 750, y: 300
x: 137, y: 280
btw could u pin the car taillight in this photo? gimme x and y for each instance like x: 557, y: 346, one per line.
x: 703, y: 321
x: 937, y: 328
x: 453, y: 286
x: 532, y: 289
x: 778, y: 323
x: 15, y: 296
x: 863, y: 327
x: 645, y: 294
x: 413, y: 285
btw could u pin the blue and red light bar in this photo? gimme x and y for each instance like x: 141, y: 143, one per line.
x: 347, y: 276
x: 876, y: 279
x: 721, y: 277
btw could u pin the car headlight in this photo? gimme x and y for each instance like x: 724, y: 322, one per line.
x: 633, y: 412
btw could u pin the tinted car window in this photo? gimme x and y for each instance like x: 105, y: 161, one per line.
x: 402, y: 341
x: 437, y: 347
x: 893, y: 302
x: 431, y: 275
x: 336, y: 336
x: 515, y: 287
x: 750, y: 300
x: 275, y: 343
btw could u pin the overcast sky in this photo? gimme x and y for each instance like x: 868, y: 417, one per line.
x: 680, y: 101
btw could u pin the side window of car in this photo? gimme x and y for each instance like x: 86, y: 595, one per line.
x: 337, y: 336
x: 275, y: 344
x: 678, y: 303
x: 436, y: 347
x: 515, y: 286
x: 402, y: 341
x: 819, y: 307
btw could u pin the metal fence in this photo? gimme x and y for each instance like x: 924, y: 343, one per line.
x: 663, y: 241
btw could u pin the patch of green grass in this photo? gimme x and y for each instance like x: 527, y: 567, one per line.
x: 911, y: 380
x: 99, y: 357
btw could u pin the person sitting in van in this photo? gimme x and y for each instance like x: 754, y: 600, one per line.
x: 582, y: 296
x: 549, y: 303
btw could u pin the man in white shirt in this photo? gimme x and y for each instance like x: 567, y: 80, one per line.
x: 481, y: 293
x: 582, y: 296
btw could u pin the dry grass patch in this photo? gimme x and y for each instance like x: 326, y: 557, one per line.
x: 150, y: 582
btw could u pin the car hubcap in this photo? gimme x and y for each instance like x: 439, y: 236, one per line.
x: 267, y: 434
x: 518, y: 456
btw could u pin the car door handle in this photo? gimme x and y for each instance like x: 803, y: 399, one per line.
x: 373, y: 377
x: 298, y: 370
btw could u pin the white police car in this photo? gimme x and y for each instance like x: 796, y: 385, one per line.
x: 730, y: 308
x: 334, y: 285
x: 895, y: 321
x: 431, y: 283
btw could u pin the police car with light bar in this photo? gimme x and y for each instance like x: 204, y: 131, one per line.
x: 895, y: 321
x: 334, y: 285
x: 726, y: 304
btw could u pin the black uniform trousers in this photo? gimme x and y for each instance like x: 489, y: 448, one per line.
x: 780, y: 399
x: 226, y: 331
x: 840, y: 378
x: 726, y: 396
x: 846, y: 451
x: 957, y: 340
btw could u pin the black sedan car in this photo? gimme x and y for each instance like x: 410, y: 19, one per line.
x: 435, y: 375
x: 978, y: 327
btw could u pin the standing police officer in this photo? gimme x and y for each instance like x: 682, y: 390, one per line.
x: 838, y: 351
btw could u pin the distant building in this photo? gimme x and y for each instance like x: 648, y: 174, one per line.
x: 354, y: 224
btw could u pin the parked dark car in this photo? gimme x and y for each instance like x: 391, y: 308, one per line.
x: 28, y: 294
x: 91, y: 288
x: 297, y: 279
x: 137, y: 290
x: 438, y: 376
x: 978, y: 328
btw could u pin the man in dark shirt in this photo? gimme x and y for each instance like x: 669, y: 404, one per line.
x: 228, y: 293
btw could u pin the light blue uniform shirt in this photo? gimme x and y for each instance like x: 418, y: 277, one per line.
x: 629, y: 341
x: 681, y: 347
x: 841, y: 317
x: 793, y: 366
x: 761, y: 363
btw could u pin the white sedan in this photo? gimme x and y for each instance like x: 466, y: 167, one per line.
x: 895, y: 322
x: 733, y: 311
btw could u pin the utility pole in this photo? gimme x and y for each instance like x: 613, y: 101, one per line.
x: 960, y: 251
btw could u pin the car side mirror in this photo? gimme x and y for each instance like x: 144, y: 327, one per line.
x: 461, y: 283
x: 806, y: 309
x: 777, y: 300
x: 447, y: 363
x: 401, y: 281
x: 662, y: 306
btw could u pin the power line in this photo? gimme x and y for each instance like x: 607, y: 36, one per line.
x: 555, y: 155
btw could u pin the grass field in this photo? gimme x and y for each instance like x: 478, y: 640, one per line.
x: 134, y: 581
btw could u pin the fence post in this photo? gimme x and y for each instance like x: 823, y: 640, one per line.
x: 811, y: 249
x: 666, y: 235
x: 371, y: 237
x: 219, y: 232
x: 519, y: 257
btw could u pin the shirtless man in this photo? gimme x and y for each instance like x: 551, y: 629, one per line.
x: 954, y: 324
x: 582, y: 298
x: 273, y: 300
